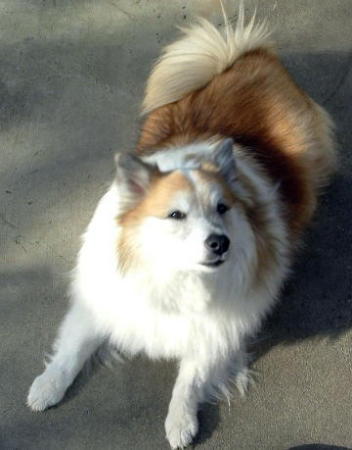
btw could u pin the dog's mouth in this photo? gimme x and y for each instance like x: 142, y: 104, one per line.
x: 215, y: 263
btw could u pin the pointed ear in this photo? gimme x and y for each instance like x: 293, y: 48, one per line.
x: 224, y: 158
x: 132, y: 174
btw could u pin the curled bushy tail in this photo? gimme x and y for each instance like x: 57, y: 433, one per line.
x: 202, y: 53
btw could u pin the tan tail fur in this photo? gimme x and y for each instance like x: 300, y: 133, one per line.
x: 204, y: 52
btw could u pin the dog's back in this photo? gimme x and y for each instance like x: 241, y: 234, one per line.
x: 231, y: 83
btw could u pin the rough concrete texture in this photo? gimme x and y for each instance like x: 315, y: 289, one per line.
x: 71, y: 81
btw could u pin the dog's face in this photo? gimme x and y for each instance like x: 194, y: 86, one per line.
x: 179, y: 215
x: 182, y: 222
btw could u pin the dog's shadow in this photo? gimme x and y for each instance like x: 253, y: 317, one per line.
x: 316, y: 300
x: 209, y: 419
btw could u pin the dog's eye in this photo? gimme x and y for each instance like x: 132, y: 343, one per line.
x: 177, y: 215
x: 222, y: 208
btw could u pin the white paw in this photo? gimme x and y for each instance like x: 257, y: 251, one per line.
x: 181, y: 426
x: 46, y: 390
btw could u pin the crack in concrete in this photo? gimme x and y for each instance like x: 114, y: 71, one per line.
x: 130, y: 16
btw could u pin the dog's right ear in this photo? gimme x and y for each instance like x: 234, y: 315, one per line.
x: 132, y: 174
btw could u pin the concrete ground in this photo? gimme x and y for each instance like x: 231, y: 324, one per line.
x: 71, y: 82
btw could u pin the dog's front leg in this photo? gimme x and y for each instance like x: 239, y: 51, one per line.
x: 181, y: 423
x: 196, y: 382
x: 76, y: 341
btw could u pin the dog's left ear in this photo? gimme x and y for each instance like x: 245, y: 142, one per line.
x: 225, y: 160
x: 132, y: 174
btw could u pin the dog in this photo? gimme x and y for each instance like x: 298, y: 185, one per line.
x: 187, y: 251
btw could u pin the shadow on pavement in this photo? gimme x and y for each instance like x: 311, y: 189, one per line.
x: 316, y: 301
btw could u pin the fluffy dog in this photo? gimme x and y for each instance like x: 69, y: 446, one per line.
x: 187, y: 251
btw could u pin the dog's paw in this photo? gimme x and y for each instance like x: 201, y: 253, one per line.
x: 243, y: 379
x: 46, y: 390
x: 181, y: 427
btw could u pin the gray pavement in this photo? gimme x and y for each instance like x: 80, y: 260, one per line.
x: 71, y: 82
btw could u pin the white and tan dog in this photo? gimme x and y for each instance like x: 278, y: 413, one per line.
x: 188, y: 249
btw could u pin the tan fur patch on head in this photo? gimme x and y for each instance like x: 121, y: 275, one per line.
x: 155, y: 203
x: 157, y: 200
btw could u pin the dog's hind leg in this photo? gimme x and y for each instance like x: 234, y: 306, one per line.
x: 77, y: 340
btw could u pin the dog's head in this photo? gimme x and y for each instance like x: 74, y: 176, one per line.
x: 181, y: 209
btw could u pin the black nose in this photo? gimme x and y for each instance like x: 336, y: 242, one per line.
x: 217, y: 243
